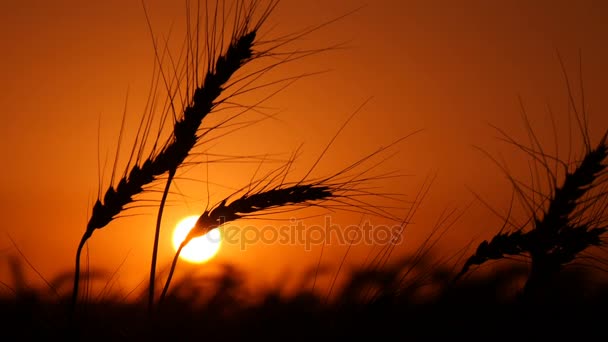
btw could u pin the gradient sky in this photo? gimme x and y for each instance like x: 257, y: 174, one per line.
x: 449, y: 68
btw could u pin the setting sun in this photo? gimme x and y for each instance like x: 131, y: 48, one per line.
x: 199, y: 249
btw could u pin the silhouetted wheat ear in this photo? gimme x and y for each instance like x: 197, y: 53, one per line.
x: 557, y: 238
x: 501, y: 244
x: 176, y: 150
x: 248, y: 204
x: 575, y: 186
x: 183, y: 140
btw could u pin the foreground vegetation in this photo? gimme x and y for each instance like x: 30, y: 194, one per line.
x: 222, y: 309
x: 566, y: 220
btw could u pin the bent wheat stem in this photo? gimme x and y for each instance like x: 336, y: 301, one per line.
x: 156, y: 240
x: 247, y: 205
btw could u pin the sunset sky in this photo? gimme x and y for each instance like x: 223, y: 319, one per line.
x: 450, y: 68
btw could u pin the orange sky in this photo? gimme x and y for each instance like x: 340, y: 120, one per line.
x: 447, y: 67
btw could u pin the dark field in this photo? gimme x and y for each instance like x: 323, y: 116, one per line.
x: 369, y: 305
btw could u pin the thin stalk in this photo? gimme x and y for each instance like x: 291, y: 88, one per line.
x: 83, y: 241
x: 156, y: 239
x: 173, y: 264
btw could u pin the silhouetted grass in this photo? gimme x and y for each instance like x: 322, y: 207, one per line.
x: 566, y: 217
x: 415, y: 298
x: 222, y: 308
x: 208, y: 79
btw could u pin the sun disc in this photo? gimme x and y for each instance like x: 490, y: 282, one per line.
x: 199, y: 249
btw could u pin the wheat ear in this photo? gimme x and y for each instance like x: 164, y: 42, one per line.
x: 175, y: 151
x: 237, y: 54
x: 247, y: 205
x: 561, y: 234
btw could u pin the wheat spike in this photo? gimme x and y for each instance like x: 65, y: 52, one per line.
x: 575, y: 186
x: 177, y: 148
x: 248, y: 204
x: 183, y: 139
x: 560, y: 235
x: 500, y: 245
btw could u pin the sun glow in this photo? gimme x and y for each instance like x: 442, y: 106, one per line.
x: 199, y: 249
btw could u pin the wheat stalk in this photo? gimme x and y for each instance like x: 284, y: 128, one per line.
x: 238, y: 53
x: 342, y: 191
x: 183, y: 139
x: 575, y: 217
x: 562, y: 233
x: 204, y: 99
x: 247, y: 205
